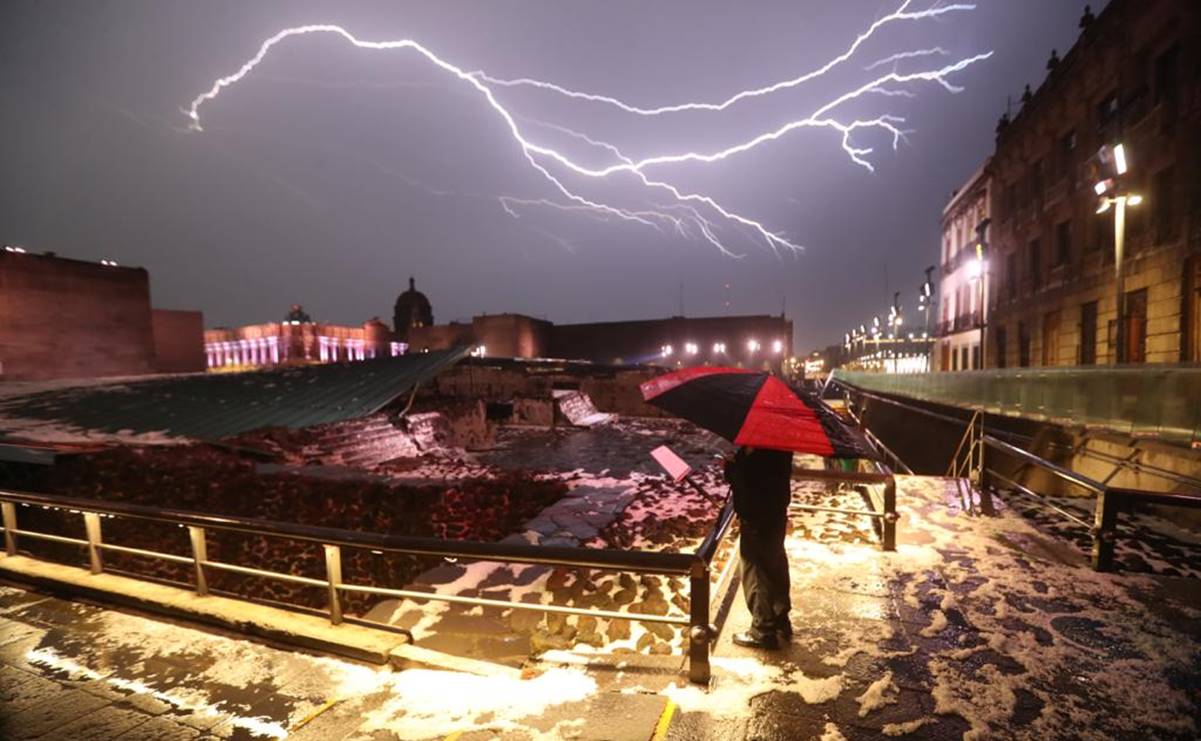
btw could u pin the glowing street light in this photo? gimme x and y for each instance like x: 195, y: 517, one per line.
x: 1112, y: 194
x: 666, y: 351
x: 719, y: 348
x: 690, y: 348
x: 752, y: 346
x: 777, y: 347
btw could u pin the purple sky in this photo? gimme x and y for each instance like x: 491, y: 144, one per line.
x: 330, y: 174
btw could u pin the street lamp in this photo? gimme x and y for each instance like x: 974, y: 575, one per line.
x: 978, y: 271
x: 1112, y: 194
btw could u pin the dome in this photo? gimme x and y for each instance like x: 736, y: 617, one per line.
x: 412, y: 310
x: 297, y: 315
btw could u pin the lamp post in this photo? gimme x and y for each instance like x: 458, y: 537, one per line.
x: 925, y: 302
x: 1112, y: 194
x: 981, y: 271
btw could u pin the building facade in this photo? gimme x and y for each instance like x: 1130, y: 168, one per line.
x: 297, y: 340
x: 751, y: 341
x: 64, y: 318
x: 1131, y: 79
x: 962, y: 313
x: 742, y: 341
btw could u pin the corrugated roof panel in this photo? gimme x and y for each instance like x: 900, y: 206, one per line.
x: 215, y: 406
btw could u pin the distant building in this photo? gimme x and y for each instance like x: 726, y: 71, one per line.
x: 1131, y: 78
x: 62, y: 318
x: 297, y: 340
x: 963, y: 287
x: 755, y: 341
x: 744, y: 341
x: 412, y: 311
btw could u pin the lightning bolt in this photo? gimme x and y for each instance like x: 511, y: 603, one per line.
x: 541, y: 157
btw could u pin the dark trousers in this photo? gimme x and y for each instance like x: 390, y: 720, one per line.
x: 763, y: 569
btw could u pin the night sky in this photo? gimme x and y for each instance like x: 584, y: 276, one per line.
x: 330, y: 174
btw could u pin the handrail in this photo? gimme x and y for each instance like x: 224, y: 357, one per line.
x: 1067, y: 475
x: 696, y: 566
x: 1088, y: 452
x: 1109, y: 500
x: 676, y: 564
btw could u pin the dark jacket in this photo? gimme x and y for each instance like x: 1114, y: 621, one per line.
x: 760, y: 480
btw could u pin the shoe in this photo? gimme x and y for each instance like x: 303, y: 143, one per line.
x: 784, y: 628
x: 766, y: 641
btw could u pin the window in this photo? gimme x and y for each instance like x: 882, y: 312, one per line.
x: 1023, y: 345
x: 1166, y: 77
x: 1011, y: 274
x: 1002, y: 346
x: 1067, y: 155
x: 1162, y: 206
x: 1088, y: 333
x: 976, y: 356
x: 1034, y: 264
x: 1036, y: 181
x: 1136, y: 326
x: 1051, y: 338
x: 1192, y: 319
x: 1107, y: 111
x: 963, y: 358
x: 1063, y: 243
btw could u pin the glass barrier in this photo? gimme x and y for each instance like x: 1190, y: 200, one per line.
x: 1162, y: 401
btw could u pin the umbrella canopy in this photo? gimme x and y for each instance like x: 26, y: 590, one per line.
x: 754, y: 409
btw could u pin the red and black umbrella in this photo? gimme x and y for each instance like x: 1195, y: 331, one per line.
x: 754, y: 409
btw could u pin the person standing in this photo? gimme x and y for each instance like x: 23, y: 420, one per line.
x: 760, y: 481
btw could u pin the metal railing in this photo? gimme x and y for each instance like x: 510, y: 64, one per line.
x: 695, y: 566
x: 881, y: 506
x: 1110, y: 500
x: 1142, y: 400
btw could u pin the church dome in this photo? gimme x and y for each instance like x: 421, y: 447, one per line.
x: 412, y: 310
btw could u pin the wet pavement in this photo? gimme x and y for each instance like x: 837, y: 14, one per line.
x: 977, y: 627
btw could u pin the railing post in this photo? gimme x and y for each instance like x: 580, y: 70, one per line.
x: 91, y: 526
x: 1105, y: 530
x: 333, y: 575
x: 200, y: 554
x: 9, y: 512
x: 890, y: 514
x: 699, y: 633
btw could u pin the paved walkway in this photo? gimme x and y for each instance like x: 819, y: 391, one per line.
x: 975, y: 628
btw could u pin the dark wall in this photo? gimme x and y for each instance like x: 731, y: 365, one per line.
x: 178, y: 341
x: 72, y: 319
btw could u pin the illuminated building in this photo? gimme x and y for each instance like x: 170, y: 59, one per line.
x: 1129, y: 79
x: 963, y: 287
x: 297, y: 339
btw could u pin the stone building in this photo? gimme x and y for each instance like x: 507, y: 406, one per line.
x: 747, y: 341
x: 963, y: 286
x: 412, y: 311
x: 1131, y: 78
x: 297, y: 340
x: 751, y: 341
x: 63, y: 318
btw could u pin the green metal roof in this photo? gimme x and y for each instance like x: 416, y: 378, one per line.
x: 220, y: 405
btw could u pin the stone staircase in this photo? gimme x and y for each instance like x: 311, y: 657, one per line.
x: 362, y: 443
